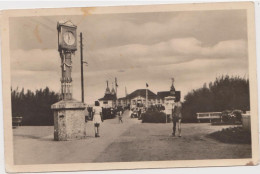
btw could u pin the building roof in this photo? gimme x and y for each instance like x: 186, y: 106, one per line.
x: 113, y: 91
x: 122, y: 98
x: 142, y: 93
x: 163, y: 94
x: 107, y: 90
x: 108, y: 97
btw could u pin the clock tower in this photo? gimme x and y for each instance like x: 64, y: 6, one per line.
x: 69, y: 117
x: 67, y: 36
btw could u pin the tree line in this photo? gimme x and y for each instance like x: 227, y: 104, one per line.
x: 225, y: 93
x: 34, y: 107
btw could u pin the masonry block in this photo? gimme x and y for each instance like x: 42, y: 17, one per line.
x: 69, y: 120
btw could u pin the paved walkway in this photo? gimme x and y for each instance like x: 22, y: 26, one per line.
x: 130, y: 141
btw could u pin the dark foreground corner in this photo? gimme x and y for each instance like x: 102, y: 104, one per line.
x: 234, y: 135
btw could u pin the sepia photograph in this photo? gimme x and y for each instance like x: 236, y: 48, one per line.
x: 130, y: 87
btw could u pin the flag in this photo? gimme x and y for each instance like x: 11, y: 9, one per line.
x: 116, y: 82
x: 147, y: 85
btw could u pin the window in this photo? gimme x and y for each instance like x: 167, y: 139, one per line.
x: 105, y: 102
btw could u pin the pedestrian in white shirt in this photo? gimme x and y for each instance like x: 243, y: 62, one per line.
x: 97, y: 118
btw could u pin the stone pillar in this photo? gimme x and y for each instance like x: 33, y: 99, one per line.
x: 66, y: 80
x: 69, y: 120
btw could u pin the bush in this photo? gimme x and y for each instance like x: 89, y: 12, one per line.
x: 233, y: 117
x: 226, y: 116
x: 229, y: 118
x: 235, y: 135
x: 153, y: 117
x: 238, y: 115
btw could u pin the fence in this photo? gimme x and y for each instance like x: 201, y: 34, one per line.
x: 208, y: 116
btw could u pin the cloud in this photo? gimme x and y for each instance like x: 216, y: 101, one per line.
x: 112, y: 30
x: 210, y: 27
x: 174, y: 51
x: 35, y: 60
x: 130, y: 57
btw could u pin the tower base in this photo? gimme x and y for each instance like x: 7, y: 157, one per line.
x: 69, y: 120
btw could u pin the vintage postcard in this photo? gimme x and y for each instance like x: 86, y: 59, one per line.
x: 129, y: 87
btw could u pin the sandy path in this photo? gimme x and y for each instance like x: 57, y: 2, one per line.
x: 35, y: 144
x: 153, y: 142
x: 130, y: 141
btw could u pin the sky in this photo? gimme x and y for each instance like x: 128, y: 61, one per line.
x: 193, y: 47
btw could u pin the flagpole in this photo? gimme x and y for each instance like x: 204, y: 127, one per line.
x: 116, y: 90
x: 116, y: 85
x: 146, y: 103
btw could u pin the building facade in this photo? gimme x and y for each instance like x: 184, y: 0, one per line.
x: 138, y: 98
x: 109, y: 99
x: 167, y: 98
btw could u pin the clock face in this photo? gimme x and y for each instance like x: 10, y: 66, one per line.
x: 69, y: 38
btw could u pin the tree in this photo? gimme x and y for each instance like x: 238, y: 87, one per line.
x: 34, y: 107
x: 225, y: 93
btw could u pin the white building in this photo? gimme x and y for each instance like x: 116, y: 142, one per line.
x: 138, y: 98
x: 167, y: 99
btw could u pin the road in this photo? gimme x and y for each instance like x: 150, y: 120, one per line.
x: 130, y: 141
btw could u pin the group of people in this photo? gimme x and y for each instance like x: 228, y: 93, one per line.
x: 176, y: 117
x: 136, y: 112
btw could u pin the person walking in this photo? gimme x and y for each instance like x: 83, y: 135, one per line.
x: 97, y: 118
x: 139, y: 113
x: 130, y: 113
x: 176, y: 116
x: 120, y: 116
